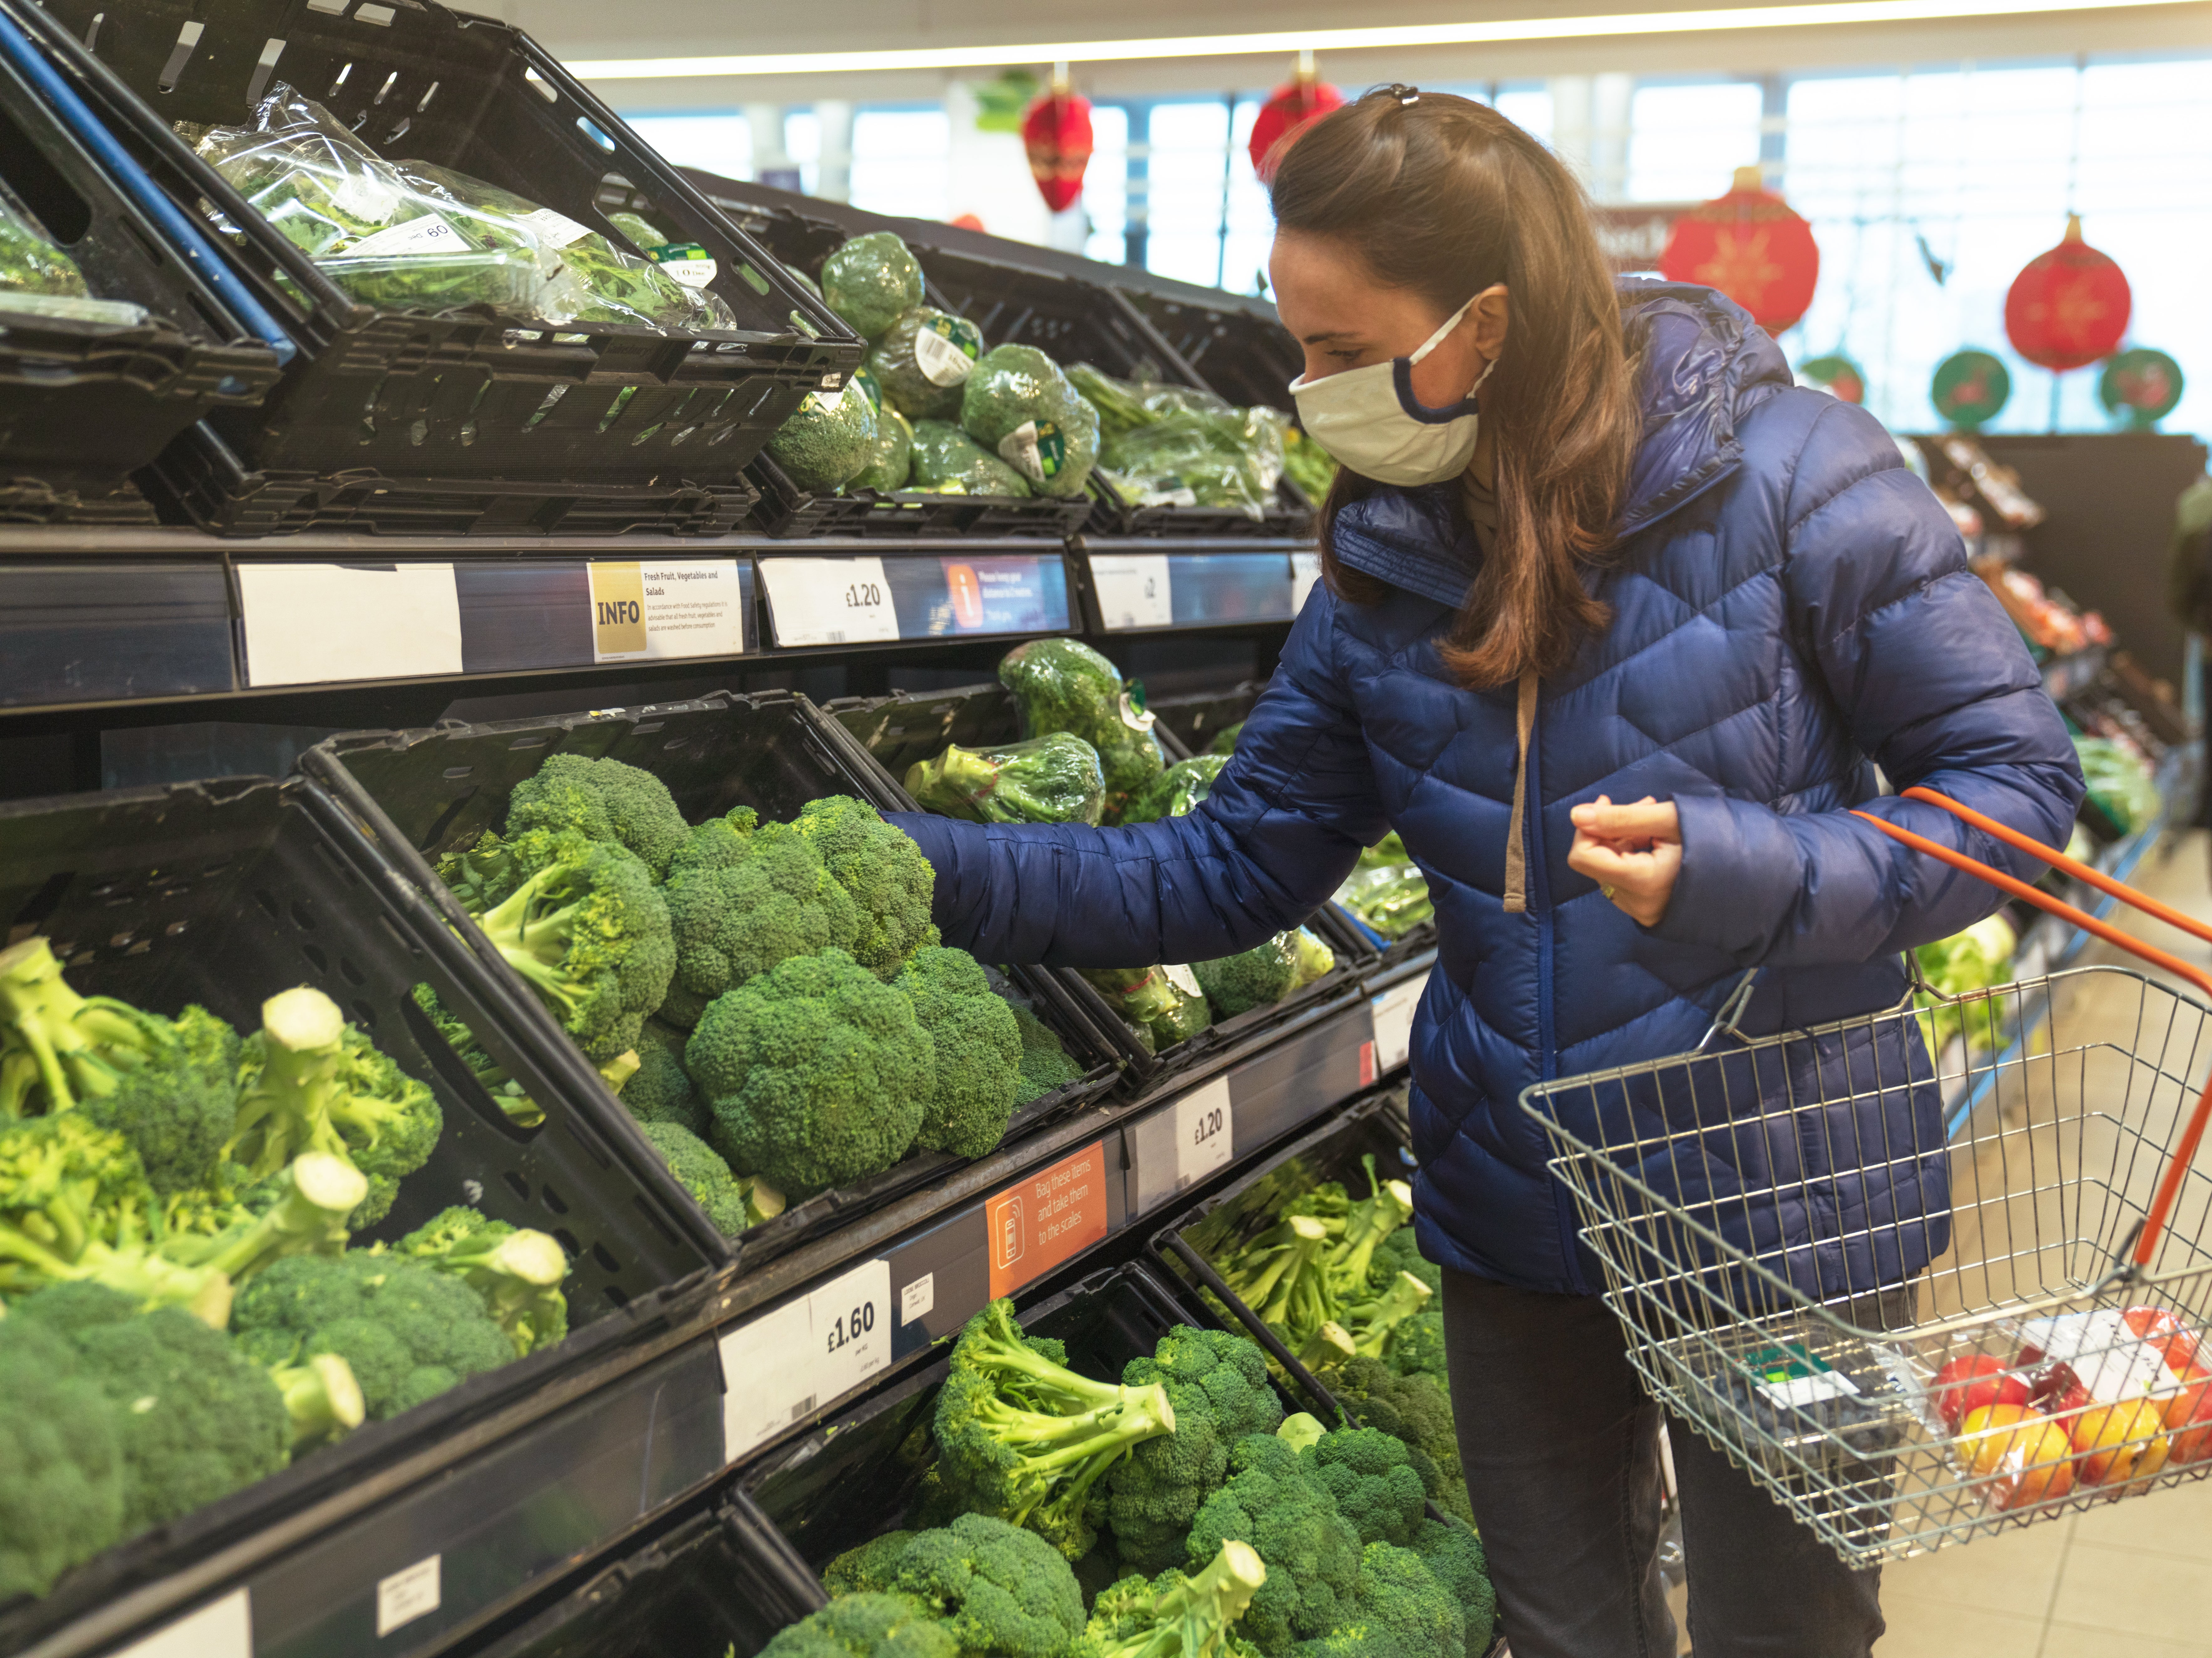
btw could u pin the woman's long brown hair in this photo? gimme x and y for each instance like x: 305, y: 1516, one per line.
x: 1445, y: 196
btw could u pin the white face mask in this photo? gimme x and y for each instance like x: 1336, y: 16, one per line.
x: 1370, y: 421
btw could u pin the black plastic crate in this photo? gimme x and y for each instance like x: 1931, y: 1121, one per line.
x: 427, y: 792
x: 426, y: 405
x: 787, y: 511
x: 82, y: 405
x: 1288, y: 514
x: 224, y: 893
x: 1235, y: 340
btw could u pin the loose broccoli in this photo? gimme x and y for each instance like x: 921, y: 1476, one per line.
x: 1216, y: 1385
x: 816, y: 1073
x: 1282, y: 1276
x: 1002, y: 1592
x: 195, y: 1418
x: 61, y: 1461
x: 1401, y: 1610
x: 1415, y: 1411
x: 1045, y: 1063
x: 922, y: 361
x: 1372, y: 1478
x: 304, y: 1210
x: 1400, y: 1252
x: 744, y: 895
x: 1455, y: 1556
x: 588, y: 930
x: 322, y: 1399
x: 1373, y: 1323
x: 310, y: 1081
x: 1417, y: 1346
x: 865, y: 1626
x: 1386, y: 1209
x: 662, y: 1091
x: 516, y: 1271
x: 1330, y: 1345
x: 602, y: 800
x: 1021, y: 1437
x: 1064, y: 685
x: 169, y: 1086
x: 1175, y: 1616
x: 977, y: 1051
x: 828, y: 439
x: 1314, y: 958
x: 1275, y: 1502
x: 947, y: 461
x: 732, y: 1202
x: 891, y: 882
x: 1258, y: 977
x: 1175, y: 791
x: 1302, y: 1431
x: 1018, y: 404
x: 1054, y: 779
x: 408, y: 1331
x: 869, y: 281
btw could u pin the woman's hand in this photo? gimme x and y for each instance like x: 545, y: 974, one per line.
x: 1633, y: 852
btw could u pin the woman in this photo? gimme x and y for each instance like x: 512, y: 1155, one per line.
x: 1614, y: 642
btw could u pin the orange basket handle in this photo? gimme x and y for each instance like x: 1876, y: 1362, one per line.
x: 2184, y: 1153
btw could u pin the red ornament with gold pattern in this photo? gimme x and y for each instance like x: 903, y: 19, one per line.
x: 1305, y: 99
x: 1753, y: 246
x: 2070, y: 307
x: 1057, y: 134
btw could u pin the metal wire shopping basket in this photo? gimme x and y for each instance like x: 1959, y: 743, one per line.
x: 1910, y: 1340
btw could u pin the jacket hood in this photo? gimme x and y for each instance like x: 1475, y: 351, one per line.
x: 1705, y: 365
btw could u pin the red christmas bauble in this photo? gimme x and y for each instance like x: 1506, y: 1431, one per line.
x: 1750, y: 245
x: 1057, y: 133
x: 2070, y: 307
x: 1288, y: 109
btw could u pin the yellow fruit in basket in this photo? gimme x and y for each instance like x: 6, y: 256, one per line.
x: 1988, y: 1433
x: 2026, y: 1457
x: 2120, y: 1442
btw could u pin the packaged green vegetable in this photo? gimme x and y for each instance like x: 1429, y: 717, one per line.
x: 1387, y: 890
x: 2120, y: 784
x: 870, y: 281
x: 1314, y: 958
x: 1311, y: 468
x: 892, y: 460
x: 1054, y: 779
x: 1258, y: 977
x: 1019, y: 403
x: 923, y: 361
x: 829, y: 439
x: 1978, y: 959
x: 688, y: 265
x: 1120, y: 403
x: 947, y: 460
x: 1225, y: 740
x: 1064, y: 685
x: 1176, y: 791
x: 1163, y: 1005
x: 1225, y: 458
x: 31, y: 262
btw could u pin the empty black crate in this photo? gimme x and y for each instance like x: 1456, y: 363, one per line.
x: 437, y: 791
x: 225, y: 893
x: 399, y: 421
x: 83, y: 403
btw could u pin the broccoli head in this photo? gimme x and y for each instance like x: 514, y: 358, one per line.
x: 977, y: 1051
x: 1064, y: 685
x: 1399, y: 1253
x: 61, y: 1461
x: 1053, y: 778
x: 588, y: 930
x: 1417, y: 1346
x: 816, y: 1073
x: 516, y: 1271
x: 865, y: 1626
x: 1454, y: 1555
x: 732, y: 1202
x: 195, y: 1418
x: 408, y: 1331
x: 603, y: 800
x: 1398, y: 1611
x: 1020, y: 404
x: 662, y: 1090
x: 891, y: 882
x: 828, y: 439
x: 1175, y: 1616
x: 1216, y: 1385
x: 947, y: 461
x: 1372, y: 1478
x: 169, y: 1086
x: 1175, y: 791
x: 1045, y: 1065
x: 310, y: 1081
x: 1413, y: 1410
x: 1002, y: 1591
x: 1275, y: 1502
x: 1258, y: 977
x: 1282, y: 1275
x: 1367, y: 1224
x: 744, y: 895
x: 922, y: 362
x: 869, y: 280
x: 1021, y: 1437
x: 1375, y: 1323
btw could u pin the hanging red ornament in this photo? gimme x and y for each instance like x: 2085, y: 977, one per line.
x: 2068, y: 307
x: 1057, y: 133
x: 1306, y: 98
x: 1750, y: 245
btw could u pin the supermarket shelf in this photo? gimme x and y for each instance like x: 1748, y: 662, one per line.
x: 1147, y: 585
x: 2063, y: 676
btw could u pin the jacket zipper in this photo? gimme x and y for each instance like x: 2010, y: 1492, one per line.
x: 1547, y: 1056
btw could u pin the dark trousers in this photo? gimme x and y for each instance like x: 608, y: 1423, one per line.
x: 1561, y: 1448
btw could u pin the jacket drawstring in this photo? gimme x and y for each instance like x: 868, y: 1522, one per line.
x: 1517, y: 851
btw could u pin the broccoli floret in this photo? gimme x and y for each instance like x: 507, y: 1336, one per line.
x: 310, y: 1081
x: 169, y: 1086
x: 828, y: 439
x: 732, y: 1202
x: 1002, y: 1591
x: 816, y: 1073
x: 604, y: 801
x: 1398, y: 1611
x: 1329, y: 1345
x: 1282, y: 1276
x: 1258, y: 977
x: 1053, y: 778
x: 480, y: 874
x: 1372, y: 1478
x: 1175, y: 1615
x: 1021, y: 1436
x: 1064, y: 685
x: 744, y: 895
x: 865, y: 1626
x: 1454, y: 1555
x: 1175, y: 791
x: 1301, y: 1430
x: 662, y: 1092
x: 1045, y: 1064
x: 1216, y: 1385
x: 195, y: 1418
x: 304, y: 1210
x: 1374, y: 1323
x: 947, y: 461
x: 1399, y: 1253
x: 516, y: 1271
x: 1413, y: 1410
x: 409, y: 1331
x: 1020, y: 404
x: 1386, y: 1209
x: 588, y: 930
x: 61, y: 1461
x: 977, y: 1051
x: 869, y: 280
x: 1275, y: 1502
x: 1417, y: 1346
x: 891, y: 883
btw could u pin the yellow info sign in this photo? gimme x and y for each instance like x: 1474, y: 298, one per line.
x: 686, y: 607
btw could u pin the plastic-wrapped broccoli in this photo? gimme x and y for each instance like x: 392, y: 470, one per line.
x: 1019, y: 403
x: 892, y: 458
x: 1258, y: 977
x: 1177, y: 790
x: 1387, y: 890
x: 687, y: 264
x: 1314, y: 958
x: 947, y: 461
x: 828, y: 439
x: 923, y: 361
x: 1311, y: 468
x: 1055, y: 778
x: 1063, y: 685
x: 870, y: 281
x: 1163, y: 1005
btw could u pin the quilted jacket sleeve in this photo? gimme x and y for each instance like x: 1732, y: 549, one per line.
x: 1276, y: 837
x: 1935, y: 685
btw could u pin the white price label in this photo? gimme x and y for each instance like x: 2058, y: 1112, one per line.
x: 428, y: 234
x: 648, y: 612
x: 1180, y: 975
x: 555, y: 230
x: 309, y: 624
x: 406, y: 1596
x: 1133, y: 590
x: 1183, y: 1143
x: 828, y: 601
x: 945, y: 351
x: 784, y: 1367
x: 917, y: 1299
x: 1305, y: 570
x: 221, y: 1629
x: 1393, y: 1012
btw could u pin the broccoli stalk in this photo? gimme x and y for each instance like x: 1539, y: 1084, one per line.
x: 1301, y: 1430
x: 1330, y: 1345
x: 1374, y: 1320
x: 517, y: 1272
x: 321, y: 1398
x: 1369, y: 1222
x: 1281, y: 1276
x: 1175, y: 1616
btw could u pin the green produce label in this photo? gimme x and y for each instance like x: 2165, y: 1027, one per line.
x: 1182, y: 978
x: 1037, y: 449
x: 945, y: 350
x: 869, y: 389
x: 1137, y: 719
x: 688, y: 263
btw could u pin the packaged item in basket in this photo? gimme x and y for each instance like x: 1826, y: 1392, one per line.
x: 1055, y: 778
x: 1163, y: 1005
x: 1812, y: 1393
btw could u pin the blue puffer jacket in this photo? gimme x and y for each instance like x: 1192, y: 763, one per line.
x: 1791, y: 607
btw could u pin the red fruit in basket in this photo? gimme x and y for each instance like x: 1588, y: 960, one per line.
x: 2188, y: 1426
x: 2057, y: 1391
x: 2120, y: 1442
x: 1964, y: 1385
x: 2166, y: 1333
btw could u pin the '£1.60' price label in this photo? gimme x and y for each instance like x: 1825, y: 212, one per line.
x: 783, y: 1367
